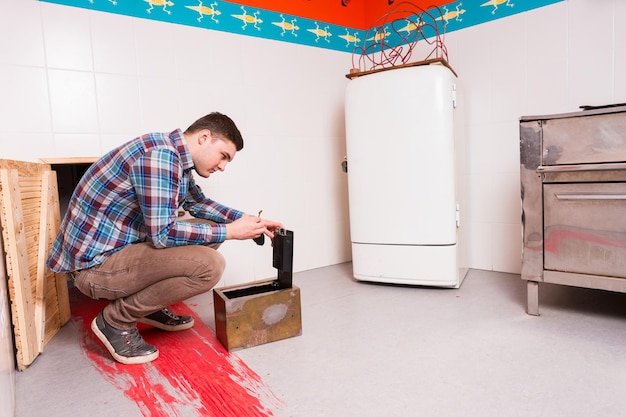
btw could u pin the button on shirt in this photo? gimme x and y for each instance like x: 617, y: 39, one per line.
x: 132, y: 194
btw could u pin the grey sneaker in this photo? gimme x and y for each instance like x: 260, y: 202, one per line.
x: 126, y: 346
x: 166, y: 320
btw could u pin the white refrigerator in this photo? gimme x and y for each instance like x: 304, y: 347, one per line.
x: 403, y: 177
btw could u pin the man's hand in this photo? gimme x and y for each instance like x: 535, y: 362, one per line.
x: 249, y: 227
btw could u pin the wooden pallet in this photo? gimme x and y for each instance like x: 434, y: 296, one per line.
x: 30, y: 219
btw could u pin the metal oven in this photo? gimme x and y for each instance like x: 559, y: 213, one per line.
x: 573, y: 185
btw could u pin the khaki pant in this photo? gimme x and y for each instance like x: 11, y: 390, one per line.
x: 140, y: 280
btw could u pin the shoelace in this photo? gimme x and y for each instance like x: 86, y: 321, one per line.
x: 170, y: 314
x: 133, y: 339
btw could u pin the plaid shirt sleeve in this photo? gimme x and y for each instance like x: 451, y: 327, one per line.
x: 202, y: 207
x: 159, y: 183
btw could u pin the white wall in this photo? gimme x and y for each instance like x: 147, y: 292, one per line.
x: 75, y: 82
x: 549, y: 60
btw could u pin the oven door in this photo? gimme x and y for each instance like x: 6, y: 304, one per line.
x: 585, y: 228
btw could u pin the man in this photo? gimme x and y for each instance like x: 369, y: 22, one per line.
x: 121, y: 238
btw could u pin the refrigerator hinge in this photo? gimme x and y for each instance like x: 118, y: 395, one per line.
x: 454, y: 96
x: 458, y: 215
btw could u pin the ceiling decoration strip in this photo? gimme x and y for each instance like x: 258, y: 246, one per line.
x: 246, y: 20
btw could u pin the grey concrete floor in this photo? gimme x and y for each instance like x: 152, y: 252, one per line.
x: 385, y: 350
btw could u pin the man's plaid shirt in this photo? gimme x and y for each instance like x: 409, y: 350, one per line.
x: 133, y: 194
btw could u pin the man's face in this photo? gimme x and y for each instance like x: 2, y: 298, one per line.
x: 214, y: 153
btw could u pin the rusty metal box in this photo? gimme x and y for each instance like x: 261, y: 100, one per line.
x: 261, y: 312
x: 255, y: 314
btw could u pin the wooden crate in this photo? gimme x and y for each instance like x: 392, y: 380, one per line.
x: 254, y: 314
x: 30, y: 219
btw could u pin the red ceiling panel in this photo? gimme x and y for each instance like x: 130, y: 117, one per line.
x: 358, y: 14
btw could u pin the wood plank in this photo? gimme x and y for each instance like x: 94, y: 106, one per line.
x: 70, y: 160
x: 54, y: 224
x: 17, y: 269
x: 39, y: 297
x: 40, y: 257
x: 356, y: 72
x: 25, y: 169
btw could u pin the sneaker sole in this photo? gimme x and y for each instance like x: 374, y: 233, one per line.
x: 135, y: 360
x: 169, y: 328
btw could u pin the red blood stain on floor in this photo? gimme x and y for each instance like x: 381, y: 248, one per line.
x: 193, y: 376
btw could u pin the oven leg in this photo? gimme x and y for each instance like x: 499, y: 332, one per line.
x: 533, y: 298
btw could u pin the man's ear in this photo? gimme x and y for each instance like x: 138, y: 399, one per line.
x: 203, y: 136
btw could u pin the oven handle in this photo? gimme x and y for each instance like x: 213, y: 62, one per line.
x: 591, y: 196
x: 619, y: 166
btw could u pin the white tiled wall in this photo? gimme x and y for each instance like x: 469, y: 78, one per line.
x: 79, y: 82
x: 76, y: 82
x: 549, y: 60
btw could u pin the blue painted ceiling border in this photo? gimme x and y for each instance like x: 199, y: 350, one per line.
x: 244, y: 20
